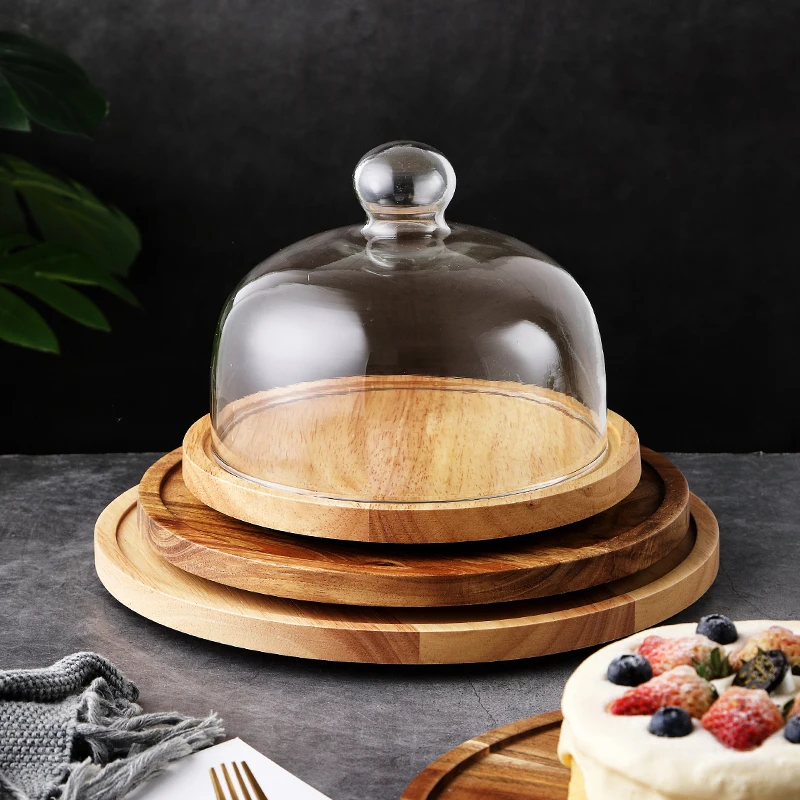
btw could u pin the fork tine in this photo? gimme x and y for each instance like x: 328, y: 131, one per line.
x: 231, y: 787
x: 215, y: 783
x: 256, y: 788
x: 241, y: 782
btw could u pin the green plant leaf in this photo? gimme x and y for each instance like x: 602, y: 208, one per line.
x: 718, y: 666
x: 70, y: 302
x: 67, y: 213
x: 20, y: 324
x: 12, y: 114
x: 12, y: 218
x: 50, y: 87
x: 55, y: 262
x: 9, y: 242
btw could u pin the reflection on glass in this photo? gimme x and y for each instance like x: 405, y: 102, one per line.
x: 408, y: 360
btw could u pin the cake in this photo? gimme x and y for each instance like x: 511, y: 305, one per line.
x: 687, y: 712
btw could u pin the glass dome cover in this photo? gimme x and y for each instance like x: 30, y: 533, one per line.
x: 408, y: 360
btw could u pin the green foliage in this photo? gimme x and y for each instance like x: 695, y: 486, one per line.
x: 66, y: 213
x: 718, y: 666
x: 40, y: 84
x: 44, y: 271
x: 54, y: 233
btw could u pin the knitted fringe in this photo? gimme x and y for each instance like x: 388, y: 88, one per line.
x: 10, y: 790
x: 127, y: 746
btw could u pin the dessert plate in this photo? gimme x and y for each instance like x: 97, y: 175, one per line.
x: 515, y: 762
x: 632, y: 535
x: 139, y: 578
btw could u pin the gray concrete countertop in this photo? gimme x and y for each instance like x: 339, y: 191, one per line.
x: 354, y: 732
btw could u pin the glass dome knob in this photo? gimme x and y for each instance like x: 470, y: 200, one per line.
x: 404, y: 187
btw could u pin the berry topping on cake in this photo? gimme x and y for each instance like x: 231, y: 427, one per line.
x: 774, y: 638
x: 666, y: 654
x: 765, y: 671
x: 792, y: 730
x: 681, y: 687
x: 718, y: 628
x: 671, y: 721
x: 629, y: 670
x: 742, y: 718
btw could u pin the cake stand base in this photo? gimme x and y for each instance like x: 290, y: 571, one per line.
x: 146, y: 583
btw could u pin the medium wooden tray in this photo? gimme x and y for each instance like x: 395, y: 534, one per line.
x: 613, y: 478
x: 627, y: 538
x: 515, y: 762
x: 140, y: 579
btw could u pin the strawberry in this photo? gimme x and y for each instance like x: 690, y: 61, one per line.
x: 666, y: 654
x: 774, y: 638
x: 681, y: 686
x: 743, y: 718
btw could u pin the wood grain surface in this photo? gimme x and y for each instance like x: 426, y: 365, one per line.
x: 408, y: 438
x: 140, y: 579
x: 515, y: 762
x: 614, y: 477
x: 635, y: 533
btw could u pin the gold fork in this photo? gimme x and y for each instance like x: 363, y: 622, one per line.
x: 257, y: 790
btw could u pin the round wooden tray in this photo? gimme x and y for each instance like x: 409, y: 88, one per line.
x: 406, y: 438
x: 140, y: 579
x: 515, y: 762
x: 615, y: 476
x: 635, y: 533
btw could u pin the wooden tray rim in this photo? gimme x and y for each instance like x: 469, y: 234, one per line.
x: 315, y: 581
x: 402, y: 636
x: 436, y: 776
x: 615, y: 476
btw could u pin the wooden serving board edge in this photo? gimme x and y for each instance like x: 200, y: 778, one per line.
x: 433, y: 780
x: 396, y: 636
x: 378, y: 582
x: 408, y: 523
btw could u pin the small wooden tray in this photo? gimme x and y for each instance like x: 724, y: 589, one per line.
x: 629, y: 537
x: 613, y: 478
x: 140, y: 579
x: 515, y: 762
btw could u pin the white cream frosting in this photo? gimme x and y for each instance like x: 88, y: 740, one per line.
x: 621, y: 760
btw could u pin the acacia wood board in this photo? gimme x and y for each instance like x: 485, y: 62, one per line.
x: 632, y: 535
x: 407, y: 438
x: 615, y: 475
x: 515, y: 762
x: 140, y: 579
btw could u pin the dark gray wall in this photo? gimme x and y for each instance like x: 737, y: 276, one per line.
x: 652, y: 148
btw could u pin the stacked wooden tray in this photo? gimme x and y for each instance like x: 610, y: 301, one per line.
x: 175, y: 560
x: 515, y: 762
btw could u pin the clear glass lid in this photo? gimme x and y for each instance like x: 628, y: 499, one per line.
x: 408, y: 360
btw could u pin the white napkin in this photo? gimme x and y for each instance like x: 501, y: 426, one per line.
x: 188, y: 778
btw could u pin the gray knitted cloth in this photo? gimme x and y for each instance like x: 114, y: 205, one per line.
x: 73, y: 731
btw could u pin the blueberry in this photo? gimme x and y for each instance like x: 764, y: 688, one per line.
x: 629, y: 670
x: 792, y: 730
x: 718, y: 628
x: 671, y: 721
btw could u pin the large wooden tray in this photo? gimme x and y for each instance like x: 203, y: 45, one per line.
x: 515, y: 762
x: 627, y: 538
x: 613, y: 476
x: 140, y: 579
